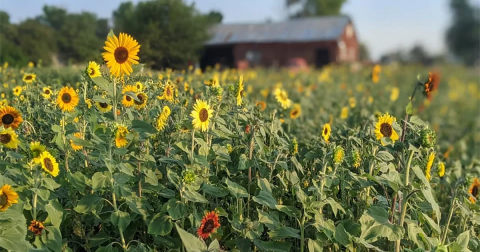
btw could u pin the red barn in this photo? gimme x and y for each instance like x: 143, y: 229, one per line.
x: 317, y: 40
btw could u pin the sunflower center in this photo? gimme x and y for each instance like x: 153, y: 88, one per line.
x: 386, y: 129
x: 295, y: 112
x: 203, y: 114
x: 169, y: 92
x: 103, y: 104
x: 325, y: 131
x: 3, y: 200
x: 208, y: 227
x: 140, y: 98
x: 8, y: 119
x: 5, y: 138
x: 121, y: 55
x: 475, y: 191
x: 66, y: 98
x: 92, y: 71
x: 48, y: 164
x: 47, y: 91
x: 128, y: 98
x: 28, y: 77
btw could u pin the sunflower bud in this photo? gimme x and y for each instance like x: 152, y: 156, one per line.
x: 294, y: 148
x: 356, y: 159
x: 441, y: 169
x: 338, y: 155
x: 229, y: 148
x: 428, y: 137
x: 188, y: 177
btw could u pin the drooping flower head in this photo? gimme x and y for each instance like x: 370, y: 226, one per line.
x: 431, y: 84
x: 209, y: 224
x: 296, y: 111
x: 142, y: 101
x: 384, y: 128
x: 428, y: 168
x: 74, y: 146
x: 473, y: 190
x: 8, y: 138
x: 239, y: 93
x: 162, y: 118
x: 121, y: 54
x: 127, y: 100
x: 326, y: 131
x: 441, y: 169
x: 36, y: 148
x: 36, y: 227
x: 121, y: 136
x: 168, y: 92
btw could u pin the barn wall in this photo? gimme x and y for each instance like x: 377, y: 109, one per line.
x: 351, y: 43
x: 278, y: 54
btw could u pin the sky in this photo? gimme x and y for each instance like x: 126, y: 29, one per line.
x: 383, y: 25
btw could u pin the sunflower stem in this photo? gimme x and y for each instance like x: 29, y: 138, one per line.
x: 65, y: 142
x: 193, y: 143
x: 114, y: 100
x: 449, y: 218
x: 370, y: 171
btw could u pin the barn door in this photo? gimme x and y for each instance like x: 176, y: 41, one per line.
x: 322, y: 57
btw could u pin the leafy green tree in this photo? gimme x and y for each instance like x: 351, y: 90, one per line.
x: 171, y: 33
x: 364, y: 52
x: 37, y: 41
x: 10, y: 51
x: 309, y: 8
x: 215, y: 17
x: 463, y: 36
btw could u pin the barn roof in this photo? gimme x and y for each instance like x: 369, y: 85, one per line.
x: 296, y: 30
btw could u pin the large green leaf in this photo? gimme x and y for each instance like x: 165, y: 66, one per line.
x: 142, y: 126
x: 375, y: 224
x: 236, y: 190
x: 265, y: 198
x: 194, y: 196
x: 341, y: 235
x: 284, y: 232
x: 88, y: 203
x: 215, y: 191
x: 161, y: 224
x: 52, y: 238
x: 274, y: 246
x: 55, y: 212
x: 100, y: 180
x: 120, y: 219
x: 190, y: 241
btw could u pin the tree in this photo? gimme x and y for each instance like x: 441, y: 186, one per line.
x: 170, y: 32
x: 364, y: 52
x: 215, y: 17
x: 37, y: 41
x: 418, y: 54
x: 463, y: 36
x: 10, y: 51
x: 309, y: 8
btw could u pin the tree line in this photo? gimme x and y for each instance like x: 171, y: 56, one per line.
x: 171, y: 34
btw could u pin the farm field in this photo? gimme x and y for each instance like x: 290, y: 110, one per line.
x: 117, y: 157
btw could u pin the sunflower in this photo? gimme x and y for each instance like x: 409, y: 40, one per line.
x: 431, y: 84
x: 186, y: 86
x: 384, y: 128
x: 128, y: 101
x: 296, y: 111
x: 121, y: 136
x: 36, y: 148
x: 103, y: 107
x: 142, y: 101
x: 49, y: 164
x: 3, y: 103
x: 120, y: 54
x: 8, y: 197
x: 344, y: 113
x: 377, y: 69
x: 441, y: 169
x: 262, y: 105
x: 168, y: 92
x: 162, y: 118
x: 47, y: 92
x: 36, y: 227
x: 282, y: 97
x: 67, y: 99
x: 394, y: 94
x: 352, y: 101
x: 17, y: 90
x: 428, y: 168
x: 473, y: 190
x: 8, y: 138
x: 93, y: 69
x: 30, y: 64
x: 212, y: 82
x: 10, y: 117
x: 29, y: 78
x: 240, y: 91
x: 74, y: 146
x: 338, y: 155
x: 139, y: 86
x: 208, y: 226
x: 201, y: 115
x: 326, y: 131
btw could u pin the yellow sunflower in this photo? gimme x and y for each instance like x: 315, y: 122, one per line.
x: 128, y: 101
x: 29, y: 78
x: 428, y: 169
x: 139, y: 86
x: 213, y: 82
x: 47, y: 92
x: 17, y: 90
x: 282, y: 97
x: 201, y: 115
x: 8, y: 197
x: 120, y: 54
x: 168, y: 92
x: 36, y: 148
x: 394, y: 94
x: 326, y: 131
x: 74, y: 146
x: 49, y: 164
x: 10, y: 117
x: 240, y: 91
x: 121, y: 136
x: 473, y: 190
x: 296, y: 111
x: 67, y: 99
x: 103, y: 107
x: 162, y: 118
x: 142, y: 101
x: 93, y: 69
x: 441, y: 169
x: 384, y: 128
x: 377, y: 69
x: 8, y: 138
x: 3, y: 103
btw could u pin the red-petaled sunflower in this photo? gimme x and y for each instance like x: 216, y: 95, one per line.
x: 10, y: 117
x: 431, y: 84
x: 121, y: 53
x: 473, y: 190
x: 36, y: 227
x: 208, y: 226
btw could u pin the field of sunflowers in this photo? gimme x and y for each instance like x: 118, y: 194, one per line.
x: 115, y: 157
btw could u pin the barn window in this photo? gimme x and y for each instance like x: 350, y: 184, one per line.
x: 349, y: 31
x: 253, y: 56
x: 343, y: 50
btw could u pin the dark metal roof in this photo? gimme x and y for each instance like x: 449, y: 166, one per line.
x: 295, y: 30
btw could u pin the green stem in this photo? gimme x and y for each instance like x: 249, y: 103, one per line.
x: 371, y: 174
x: 302, y: 234
x: 405, y: 199
x: 407, y: 171
x: 193, y: 144
x: 324, y: 177
x: 449, y: 219
x: 114, y: 100
x: 114, y: 199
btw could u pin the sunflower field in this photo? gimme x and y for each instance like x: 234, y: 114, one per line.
x: 115, y: 157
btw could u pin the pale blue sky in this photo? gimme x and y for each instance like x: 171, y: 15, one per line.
x: 384, y: 25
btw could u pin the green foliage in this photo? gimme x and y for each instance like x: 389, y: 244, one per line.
x: 311, y: 8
